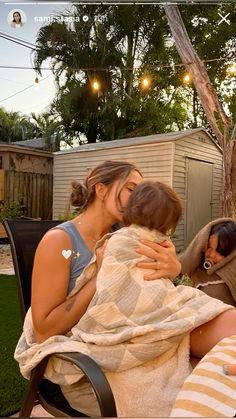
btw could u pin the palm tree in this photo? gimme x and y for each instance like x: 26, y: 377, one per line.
x: 15, y: 127
x: 50, y: 128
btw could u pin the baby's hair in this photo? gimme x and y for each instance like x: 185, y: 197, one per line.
x: 83, y: 194
x: 153, y: 205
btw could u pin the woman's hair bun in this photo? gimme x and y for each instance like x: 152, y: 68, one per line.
x: 79, y: 194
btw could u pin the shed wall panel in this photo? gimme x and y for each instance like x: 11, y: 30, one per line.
x: 154, y: 160
x: 197, y: 146
x: 163, y: 161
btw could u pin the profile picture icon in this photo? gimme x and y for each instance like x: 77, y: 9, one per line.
x: 16, y: 18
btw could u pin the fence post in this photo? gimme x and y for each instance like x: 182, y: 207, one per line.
x: 2, y: 179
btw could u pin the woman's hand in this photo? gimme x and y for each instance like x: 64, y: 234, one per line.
x: 165, y: 262
x: 100, y: 254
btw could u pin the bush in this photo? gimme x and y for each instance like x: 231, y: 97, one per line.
x: 67, y: 217
x: 12, y: 210
x: 183, y: 280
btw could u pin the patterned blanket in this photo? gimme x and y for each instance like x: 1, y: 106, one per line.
x: 136, y: 330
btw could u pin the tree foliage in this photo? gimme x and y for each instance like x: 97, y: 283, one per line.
x: 15, y: 127
x: 117, y: 45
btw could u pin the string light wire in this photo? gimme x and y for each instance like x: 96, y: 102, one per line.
x: 33, y: 47
x: 157, y: 66
x: 23, y: 90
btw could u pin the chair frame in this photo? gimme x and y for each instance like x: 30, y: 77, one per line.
x: 39, y: 387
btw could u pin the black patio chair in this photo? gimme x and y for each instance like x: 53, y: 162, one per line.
x: 24, y: 236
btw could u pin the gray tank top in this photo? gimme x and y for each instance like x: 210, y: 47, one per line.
x: 80, y: 256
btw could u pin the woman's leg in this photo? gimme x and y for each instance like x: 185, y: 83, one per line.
x: 204, y: 337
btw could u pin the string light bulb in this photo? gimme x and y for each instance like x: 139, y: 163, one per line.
x: 231, y: 70
x: 36, y: 81
x: 96, y: 85
x: 187, y: 78
x: 145, y: 82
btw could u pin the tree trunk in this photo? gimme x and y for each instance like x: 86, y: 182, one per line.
x: 129, y: 66
x: 195, y: 107
x: 92, y: 132
x: 220, y: 123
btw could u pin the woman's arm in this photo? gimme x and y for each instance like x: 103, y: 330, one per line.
x: 165, y: 262
x: 52, y: 313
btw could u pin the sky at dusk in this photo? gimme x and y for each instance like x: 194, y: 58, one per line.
x: 33, y: 99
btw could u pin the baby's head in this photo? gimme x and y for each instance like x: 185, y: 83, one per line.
x: 153, y: 205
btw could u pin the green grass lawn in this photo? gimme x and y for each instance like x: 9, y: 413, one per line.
x: 12, y: 385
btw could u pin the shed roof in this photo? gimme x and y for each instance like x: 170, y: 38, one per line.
x: 33, y: 143
x: 127, y: 142
x: 17, y: 148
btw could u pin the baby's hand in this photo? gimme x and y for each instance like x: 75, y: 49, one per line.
x: 100, y: 253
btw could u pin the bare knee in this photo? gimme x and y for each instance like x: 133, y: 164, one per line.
x: 204, y: 337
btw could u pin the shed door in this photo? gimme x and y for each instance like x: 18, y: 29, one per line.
x: 199, y: 197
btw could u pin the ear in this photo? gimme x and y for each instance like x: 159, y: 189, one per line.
x: 101, y: 191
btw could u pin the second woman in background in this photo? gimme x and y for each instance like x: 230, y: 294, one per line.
x: 210, y: 260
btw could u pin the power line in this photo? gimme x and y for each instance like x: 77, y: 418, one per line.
x: 23, y: 43
x: 16, y: 67
x: 17, y: 39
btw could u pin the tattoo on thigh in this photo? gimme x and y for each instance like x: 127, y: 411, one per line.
x: 70, y: 305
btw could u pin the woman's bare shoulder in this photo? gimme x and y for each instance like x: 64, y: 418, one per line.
x: 51, y: 249
x: 55, y: 238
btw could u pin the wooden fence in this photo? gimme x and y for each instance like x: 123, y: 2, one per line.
x: 34, y: 190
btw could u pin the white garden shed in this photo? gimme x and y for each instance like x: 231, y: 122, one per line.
x: 190, y: 161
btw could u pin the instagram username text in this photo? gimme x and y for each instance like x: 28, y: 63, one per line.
x: 63, y: 19
x: 59, y: 19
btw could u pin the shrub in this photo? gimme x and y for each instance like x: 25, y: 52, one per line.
x: 183, y: 280
x: 12, y: 210
x: 63, y: 217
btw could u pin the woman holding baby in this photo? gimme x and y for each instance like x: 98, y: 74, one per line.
x: 103, y: 199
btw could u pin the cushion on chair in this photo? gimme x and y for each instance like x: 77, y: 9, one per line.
x: 207, y: 391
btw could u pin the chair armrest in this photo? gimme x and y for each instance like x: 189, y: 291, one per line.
x: 91, y: 370
x: 97, y: 380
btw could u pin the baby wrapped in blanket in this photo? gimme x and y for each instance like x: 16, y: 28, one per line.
x: 136, y: 330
